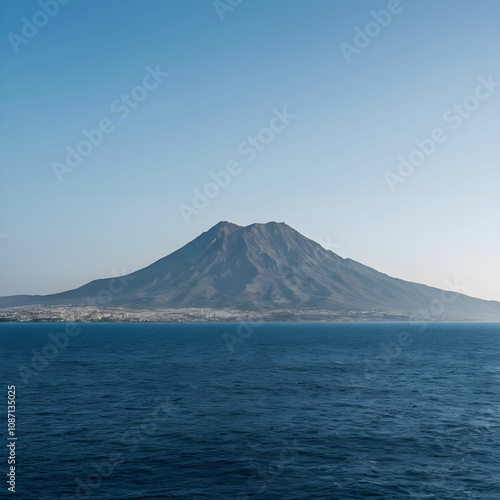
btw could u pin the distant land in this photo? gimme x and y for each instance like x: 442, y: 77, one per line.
x: 260, y: 272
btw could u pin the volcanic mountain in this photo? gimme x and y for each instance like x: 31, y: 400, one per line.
x: 265, y: 267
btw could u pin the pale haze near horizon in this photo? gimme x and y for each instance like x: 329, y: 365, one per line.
x: 323, y: 174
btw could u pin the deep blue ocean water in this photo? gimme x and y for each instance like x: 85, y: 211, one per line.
x: 283, y: 411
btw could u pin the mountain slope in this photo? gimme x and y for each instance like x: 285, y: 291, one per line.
x: 260, y: 267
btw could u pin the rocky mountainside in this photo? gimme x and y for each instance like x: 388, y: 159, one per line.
x: 262, y: 267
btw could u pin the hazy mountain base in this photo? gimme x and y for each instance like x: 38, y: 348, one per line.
x: 119, y: 314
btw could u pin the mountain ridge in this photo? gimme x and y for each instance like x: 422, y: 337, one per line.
x: 263, y: 266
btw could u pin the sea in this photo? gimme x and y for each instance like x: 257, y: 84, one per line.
x: 251, y: 410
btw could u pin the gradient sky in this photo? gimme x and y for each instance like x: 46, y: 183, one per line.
x: 323, y: 174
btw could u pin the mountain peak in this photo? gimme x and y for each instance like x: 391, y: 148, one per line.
x: 224, y: 227
x: 268, y: 224
x: 223, y: 223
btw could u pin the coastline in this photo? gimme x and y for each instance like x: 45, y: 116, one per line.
x: 91, y: 314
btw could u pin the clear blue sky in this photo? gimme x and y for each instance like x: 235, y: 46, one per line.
x: 323, y: 174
